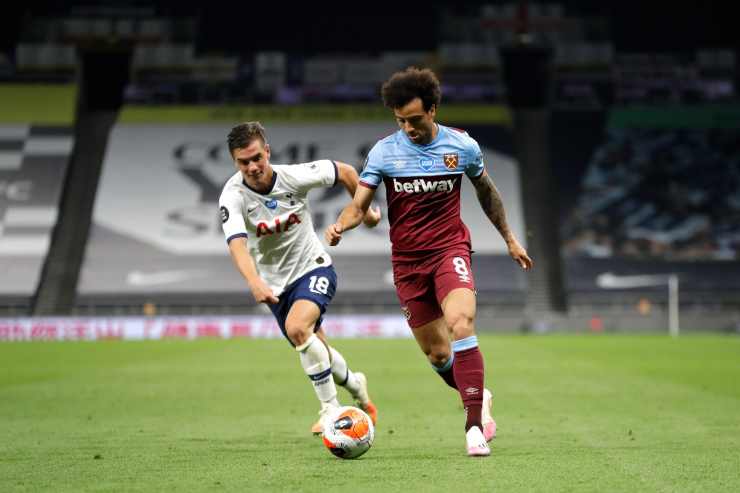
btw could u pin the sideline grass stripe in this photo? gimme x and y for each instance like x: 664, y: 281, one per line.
x: 55, y: 104
x: 38, y: 103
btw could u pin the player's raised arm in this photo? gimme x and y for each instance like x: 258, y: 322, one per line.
x: 352, y: 215
x: 348, y: 177
x: 244, y: 262
x: 491, y: 203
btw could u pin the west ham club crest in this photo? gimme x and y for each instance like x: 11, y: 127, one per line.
x: 451, y: 161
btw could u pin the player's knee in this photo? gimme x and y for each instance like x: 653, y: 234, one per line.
x: 439, y: 356
x: 298, y: 333
x: 460, y: 324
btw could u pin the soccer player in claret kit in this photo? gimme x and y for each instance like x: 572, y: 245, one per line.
x: 269, y: 231
x: 422, y: 166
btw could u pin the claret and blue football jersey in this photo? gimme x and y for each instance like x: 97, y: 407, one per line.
x: 423, y: 185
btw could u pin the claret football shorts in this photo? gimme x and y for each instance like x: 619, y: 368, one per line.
x: 421, y: 286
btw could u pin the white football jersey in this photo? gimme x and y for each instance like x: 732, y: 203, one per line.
x: 278, y: 224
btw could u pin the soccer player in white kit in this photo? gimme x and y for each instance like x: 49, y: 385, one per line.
x: 269, y: 231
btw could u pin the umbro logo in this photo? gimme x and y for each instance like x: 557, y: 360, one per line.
x: 472, y: 390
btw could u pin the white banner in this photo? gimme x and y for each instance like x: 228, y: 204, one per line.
x: 160, y: 185
x: 189, y: 327
x: 156, y: 226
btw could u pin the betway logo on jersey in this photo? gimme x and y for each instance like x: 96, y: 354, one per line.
x: 421, y: 185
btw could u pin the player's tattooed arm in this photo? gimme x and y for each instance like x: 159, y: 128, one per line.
x: 492, y: 205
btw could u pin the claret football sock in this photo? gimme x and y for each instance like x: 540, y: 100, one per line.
x: 446, y: 372
x: 315, y: 361
x: 468, y: 370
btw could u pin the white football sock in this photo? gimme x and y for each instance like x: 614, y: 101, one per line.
x: 342, y: 374
x: 315, y: 362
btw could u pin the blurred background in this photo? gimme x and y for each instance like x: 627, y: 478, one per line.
x: 612, y: 130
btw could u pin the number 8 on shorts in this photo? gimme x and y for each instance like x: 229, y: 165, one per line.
x: 461, y: 268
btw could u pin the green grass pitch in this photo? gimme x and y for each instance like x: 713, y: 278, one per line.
x: 575, y: 413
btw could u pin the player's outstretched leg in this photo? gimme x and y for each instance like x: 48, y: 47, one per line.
x: 468, y: 370
x: 315, y: 362
x: 314, y: 355
x: 487, y: 422
x: 354, y: 382
x: 459, y: 313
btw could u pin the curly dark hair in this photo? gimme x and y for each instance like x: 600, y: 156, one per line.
x: 244, y: 133
x: 412, y: 83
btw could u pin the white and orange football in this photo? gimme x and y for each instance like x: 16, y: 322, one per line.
x: 348, y: 432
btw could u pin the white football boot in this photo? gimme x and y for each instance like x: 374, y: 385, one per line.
x: 476, y: 442
x: 489, y: 425
x: 363, y: 399
x: 324, y: 414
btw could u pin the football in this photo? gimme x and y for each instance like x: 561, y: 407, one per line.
x: 348, y: 432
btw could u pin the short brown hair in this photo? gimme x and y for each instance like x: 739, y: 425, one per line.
x: 244, y: 133
x: 412, y: 83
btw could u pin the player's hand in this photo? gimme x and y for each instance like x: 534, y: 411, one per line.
x: 333, y: 234
x: 519, y: 254
x: 263, y: 294
x: 372, y: 217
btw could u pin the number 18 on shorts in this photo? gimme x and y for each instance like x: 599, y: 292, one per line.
x: 318, y: 285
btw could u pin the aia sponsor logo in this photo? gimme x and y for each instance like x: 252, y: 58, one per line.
x: 451, y: 161
x: 264, y: 229
x: 421, y: 185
